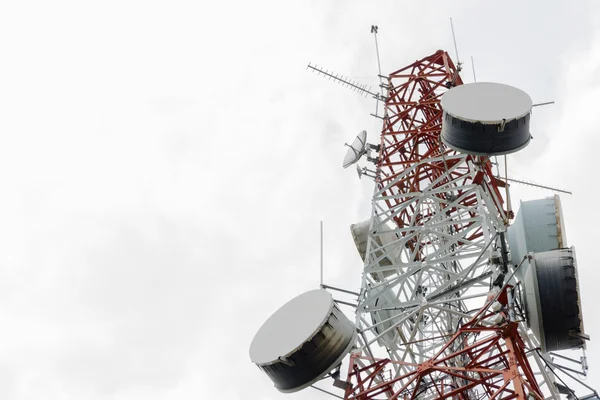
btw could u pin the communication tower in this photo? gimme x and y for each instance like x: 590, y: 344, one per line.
x: 460, y: 298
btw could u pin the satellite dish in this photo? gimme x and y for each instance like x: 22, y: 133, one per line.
x: 356, y: 150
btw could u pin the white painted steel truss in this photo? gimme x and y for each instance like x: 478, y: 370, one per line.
x: 418, y: 288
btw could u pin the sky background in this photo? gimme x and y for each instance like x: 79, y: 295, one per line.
x: 164, y: 167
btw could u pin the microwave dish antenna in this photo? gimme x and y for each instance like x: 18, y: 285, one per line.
x: 486, y: 118
x: 356, y: 150
x: 359, y: 148
x: 303, y: 341
x: 455, y: 301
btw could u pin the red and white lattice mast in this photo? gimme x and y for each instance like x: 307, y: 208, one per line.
x: 460, y: 298
x: 437, y: 294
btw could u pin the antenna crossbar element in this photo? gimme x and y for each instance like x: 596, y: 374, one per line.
x: 543, y: 104
x: 361, y: 88
x: 536, y: 185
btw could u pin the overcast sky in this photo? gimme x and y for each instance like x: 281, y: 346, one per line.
x: 164, y: 167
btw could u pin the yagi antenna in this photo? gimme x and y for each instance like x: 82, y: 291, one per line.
x: 360, y: 88
x: 536, y: 185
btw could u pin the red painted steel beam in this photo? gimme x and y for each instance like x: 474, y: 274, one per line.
x: 493, y: 358
x: 411, y: 133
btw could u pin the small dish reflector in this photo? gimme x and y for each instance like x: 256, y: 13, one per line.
x: 356, y: 150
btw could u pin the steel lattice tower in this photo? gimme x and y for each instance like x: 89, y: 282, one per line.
x: 435, y: 309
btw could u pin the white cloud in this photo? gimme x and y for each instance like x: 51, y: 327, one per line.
x: 165, y: 166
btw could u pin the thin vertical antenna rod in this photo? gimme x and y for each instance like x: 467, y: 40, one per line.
x: 321, y: 254
x: 506, y: 174
x: 473, y: 68
x: 455, y: 46
x: 508, y: 203
x: 374, y: 29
